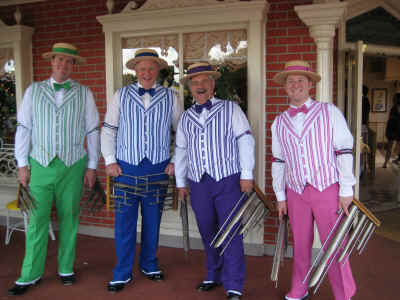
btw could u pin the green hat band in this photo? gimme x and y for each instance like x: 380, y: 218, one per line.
x: 66, y: 51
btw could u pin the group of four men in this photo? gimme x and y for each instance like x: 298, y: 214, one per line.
x: 213, y: 163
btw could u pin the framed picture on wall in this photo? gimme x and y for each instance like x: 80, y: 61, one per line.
x: 379, y: 100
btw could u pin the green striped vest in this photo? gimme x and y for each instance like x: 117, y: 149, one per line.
x: 58, y: 131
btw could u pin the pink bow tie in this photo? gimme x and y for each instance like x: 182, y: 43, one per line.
x: 294, y: 111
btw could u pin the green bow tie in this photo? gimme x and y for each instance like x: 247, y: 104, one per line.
x: 66, y: 85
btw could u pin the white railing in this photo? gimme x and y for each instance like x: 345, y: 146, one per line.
x: 8, y: 165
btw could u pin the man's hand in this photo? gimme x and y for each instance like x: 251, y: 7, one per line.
x: 90, y: 178
x: 344, y: 202
x: 246, y: 185
x: 170, y: 169
x: 182, y: 193
x: 113, y: 170
x: 282, y: 209
x: 24, y: 176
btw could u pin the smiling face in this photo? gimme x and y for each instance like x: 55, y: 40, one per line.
x: 61, y: 67
x: 298, y: 89
x: 202, y: 88
x: 147, y: 73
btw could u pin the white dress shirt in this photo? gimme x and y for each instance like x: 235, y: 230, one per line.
x: 23, y: 134
x: 342, y: 139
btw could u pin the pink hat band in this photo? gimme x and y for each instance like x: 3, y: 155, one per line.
x: 298, y: 68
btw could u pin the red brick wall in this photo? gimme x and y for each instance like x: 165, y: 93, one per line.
x: 287, y: 39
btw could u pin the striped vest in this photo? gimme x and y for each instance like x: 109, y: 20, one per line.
x: 310, y: 158
x: 216, y: 138
x: 58, y: 131
x: 144, y: 132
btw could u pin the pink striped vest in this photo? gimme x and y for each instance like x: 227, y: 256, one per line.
x: 309, y: 158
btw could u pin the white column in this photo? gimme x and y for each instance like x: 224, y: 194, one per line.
x: 322, y: 20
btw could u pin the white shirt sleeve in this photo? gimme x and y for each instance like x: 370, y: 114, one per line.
x: 277, y: 168
x: 92, y: 131
x: 177, y: 110
x: 109, y: 130
x: 24, y: 129
x: 242, y: 131
x: 180, y: 157
x: 343, y: 139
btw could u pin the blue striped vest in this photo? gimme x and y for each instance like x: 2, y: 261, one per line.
x: 144, y: 132
x: 58, y: 131
x: 216, y: 138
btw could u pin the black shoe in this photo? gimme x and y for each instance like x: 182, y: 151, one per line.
x: 232, y: 296
x: 207, y: 286
x: 19, y: 289
x: 154, y: 276
x: 68, y: 280
x: 117, y: 287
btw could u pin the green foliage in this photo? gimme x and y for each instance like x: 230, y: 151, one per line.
x: 7, y: 108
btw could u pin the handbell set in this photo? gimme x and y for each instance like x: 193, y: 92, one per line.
x: 153, y: 185
x: 280, y: 248
x: 345, y: 240
x: 248, y: 211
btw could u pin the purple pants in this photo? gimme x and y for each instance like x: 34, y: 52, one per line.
x: 303, y: 210
x: 212, y: 202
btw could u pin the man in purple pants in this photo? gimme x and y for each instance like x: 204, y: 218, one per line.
x: 215, y: 156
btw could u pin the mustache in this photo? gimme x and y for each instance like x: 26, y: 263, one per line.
x: 201, y: 91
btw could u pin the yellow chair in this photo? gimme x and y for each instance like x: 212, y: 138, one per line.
x: 19, y: 225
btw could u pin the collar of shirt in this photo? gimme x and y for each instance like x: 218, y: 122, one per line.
x: 307, y: 103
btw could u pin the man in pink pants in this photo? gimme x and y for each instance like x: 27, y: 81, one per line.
x: 312, y: 174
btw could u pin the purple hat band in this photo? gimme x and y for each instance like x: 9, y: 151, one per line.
x: 199, y: 69
x: 298, y: 68
x: 146, y: 54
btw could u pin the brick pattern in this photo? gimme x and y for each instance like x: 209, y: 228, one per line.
x: 287, y: 39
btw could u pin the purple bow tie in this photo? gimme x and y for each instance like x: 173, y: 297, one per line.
x: 142, y: 91
x: 294, y: 111
x: 199, y: 107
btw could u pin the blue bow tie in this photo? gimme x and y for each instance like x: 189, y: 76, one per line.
x: 151, y: 91
x: 199, y: 107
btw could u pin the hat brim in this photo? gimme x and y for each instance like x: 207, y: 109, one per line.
x: 130, y: 64
x: 281, y: 77
x: 215, y: 74
x: 79, y: 59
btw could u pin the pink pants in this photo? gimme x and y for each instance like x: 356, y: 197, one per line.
x: 303, y: 209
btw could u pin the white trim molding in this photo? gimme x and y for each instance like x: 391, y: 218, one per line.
x: 19, y: 39
x: 198, y: 16
x: 322, y: 20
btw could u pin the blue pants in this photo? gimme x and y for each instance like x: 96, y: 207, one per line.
x: 212, y: 202
x: 126, y: 220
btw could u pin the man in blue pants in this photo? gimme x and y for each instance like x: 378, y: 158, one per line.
x: 135, y: 142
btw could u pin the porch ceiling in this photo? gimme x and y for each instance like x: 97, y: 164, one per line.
x: 376, y: 26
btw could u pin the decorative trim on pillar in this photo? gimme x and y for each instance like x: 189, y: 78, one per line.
x: 322, y: 20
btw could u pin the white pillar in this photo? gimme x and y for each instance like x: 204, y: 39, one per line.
x: 322, y: 20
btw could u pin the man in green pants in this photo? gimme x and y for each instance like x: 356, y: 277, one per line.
x: 55, y: 117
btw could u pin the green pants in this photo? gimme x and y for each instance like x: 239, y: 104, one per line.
x: 64, y: 184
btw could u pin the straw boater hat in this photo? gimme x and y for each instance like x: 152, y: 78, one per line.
x: 65, y: 49
x: 146, y: 54
x: 199, y: 69
x: 296, y: 67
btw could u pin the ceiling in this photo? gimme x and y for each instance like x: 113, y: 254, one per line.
x: 376, y: 26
